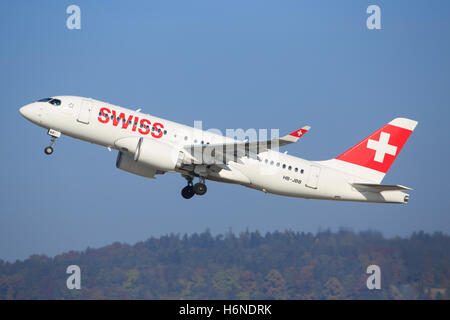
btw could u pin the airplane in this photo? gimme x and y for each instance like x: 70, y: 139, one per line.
x: 148, y: 146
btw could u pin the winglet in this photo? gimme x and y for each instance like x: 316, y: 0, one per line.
x: 298, y: 133
x: 294, y: 136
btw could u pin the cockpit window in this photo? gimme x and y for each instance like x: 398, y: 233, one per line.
x: 45, y: 100
x: 55, y: 102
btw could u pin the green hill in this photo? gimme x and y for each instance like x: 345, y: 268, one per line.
x: 278, y: 265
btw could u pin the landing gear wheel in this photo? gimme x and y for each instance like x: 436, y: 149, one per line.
x: 187, y: 192
x: 48, y: 150
x: 200, y: 188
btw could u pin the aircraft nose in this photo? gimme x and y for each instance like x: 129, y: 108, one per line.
x: 27, y: 111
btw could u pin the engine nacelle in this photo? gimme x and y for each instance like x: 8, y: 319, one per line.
x: 126, y: 163
x: 157, y: 154
x: 147, y: 152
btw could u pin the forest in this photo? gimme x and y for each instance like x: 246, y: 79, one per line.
x: 249, y: 265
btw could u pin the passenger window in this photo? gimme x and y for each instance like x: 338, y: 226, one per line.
x: 289, y: 168
x: 301, y: 171
x: 278, y: 164
x: 296, y: 170
x: 284, y: 166
x: 271, y: 163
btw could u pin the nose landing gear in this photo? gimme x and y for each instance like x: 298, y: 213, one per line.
x: 48, y: 150
x: 54, y: 134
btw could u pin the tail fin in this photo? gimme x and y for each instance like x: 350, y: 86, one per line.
x: 372, y: 157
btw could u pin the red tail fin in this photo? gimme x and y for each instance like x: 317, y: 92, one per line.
x: 379, y: 150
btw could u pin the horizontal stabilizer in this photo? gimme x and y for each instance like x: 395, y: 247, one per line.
x: 379, y: 187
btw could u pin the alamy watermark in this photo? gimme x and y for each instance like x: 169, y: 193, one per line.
x: 73, y: 21
x: 212, y: 146
x: 374, y: 280
x: 373, y: 22
x: 74, y: 280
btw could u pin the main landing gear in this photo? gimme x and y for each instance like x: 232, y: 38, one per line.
x: 54, y: 134
x: 191, y: 189
x: 188, y: 191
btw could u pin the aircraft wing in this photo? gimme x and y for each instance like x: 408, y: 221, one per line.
x: 379, y: 187
x: 243, y: 148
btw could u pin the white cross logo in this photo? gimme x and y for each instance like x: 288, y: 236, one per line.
x: 382, y: 147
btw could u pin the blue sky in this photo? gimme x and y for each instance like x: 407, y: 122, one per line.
x: 231, y: 64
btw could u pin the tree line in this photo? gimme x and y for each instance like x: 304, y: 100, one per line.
x: 250, y: 265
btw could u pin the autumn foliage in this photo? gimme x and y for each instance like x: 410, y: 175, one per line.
x: 278, y: 265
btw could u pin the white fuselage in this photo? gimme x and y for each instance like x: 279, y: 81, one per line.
x: 272, y: 172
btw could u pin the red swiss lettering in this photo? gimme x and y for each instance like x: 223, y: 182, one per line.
x: 116, y: 119
x: 145, y: 126
x: 104, y: 112
x: 136, y: 121
x: 158, y: 133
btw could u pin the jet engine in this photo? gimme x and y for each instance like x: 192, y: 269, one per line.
x: 126, y: 163
x: 158, y: 155
x: 145, y: 157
